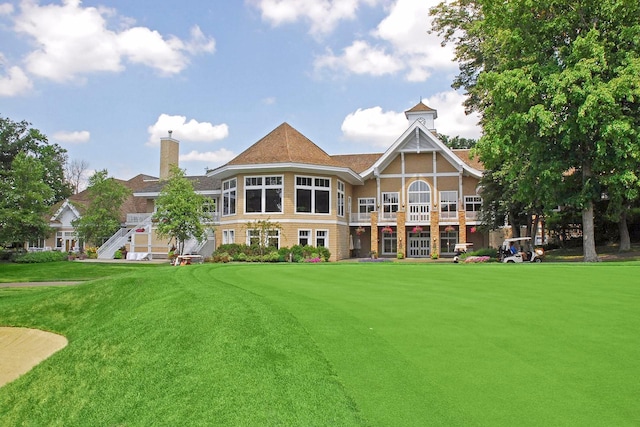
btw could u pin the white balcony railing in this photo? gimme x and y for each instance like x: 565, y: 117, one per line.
x: 137, y: 218
x: 448, y: 215
x: 361, y: 217
x: 388, y: 216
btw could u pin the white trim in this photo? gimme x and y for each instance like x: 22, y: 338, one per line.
x: 263, y: 187
x: 61, y: 209
x: 313, y: 188
x: 421, y: 175
x: 344, y: 173
x: 326, y: 237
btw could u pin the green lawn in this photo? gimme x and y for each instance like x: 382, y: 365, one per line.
x: 385, y: 344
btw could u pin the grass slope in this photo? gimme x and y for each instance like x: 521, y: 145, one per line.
x: 336, y: 344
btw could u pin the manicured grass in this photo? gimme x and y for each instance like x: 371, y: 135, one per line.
x: 336, y: 344
x: 52, y: 271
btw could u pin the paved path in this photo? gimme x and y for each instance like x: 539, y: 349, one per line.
x: 22, y: 348
x: 32, y: 284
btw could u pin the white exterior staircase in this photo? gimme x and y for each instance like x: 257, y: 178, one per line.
x: 120, y: 238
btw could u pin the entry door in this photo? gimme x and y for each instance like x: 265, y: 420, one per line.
x: 419, y: 245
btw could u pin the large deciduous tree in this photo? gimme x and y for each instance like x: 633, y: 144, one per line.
x: 557, y: 85
x: 23, y: 205
x: 179, y: 210
x: 19, y: 137
x: 101, y: 217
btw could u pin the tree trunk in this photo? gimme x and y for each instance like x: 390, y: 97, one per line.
x: 625, y: 240
x: 588, y: 234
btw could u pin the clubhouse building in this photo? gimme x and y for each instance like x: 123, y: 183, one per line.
x: 419, y: 198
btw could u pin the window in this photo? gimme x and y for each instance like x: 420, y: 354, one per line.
x: 340, y: 201
x: 263, y: 194
x: 37, y: 244
x: 59, y: 240
x: 322, y: 238
x: 253, y: 237
x: 271, y: 238
x: 390, y: 204
x: 209, y: 208
x: 365, y: 207
x: 228, y: 237
x: 419, y: 201
x: 390, y: 243
x: 312, y: 194
x: 304, y: 237
x: 472, y: 206
x: 229, y: 197
x: 449, y: 205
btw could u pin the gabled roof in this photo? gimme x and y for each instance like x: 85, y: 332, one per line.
x: 286, y: 149
x: 64, y: 205
x: 416, y: 139
x: 79, y: 202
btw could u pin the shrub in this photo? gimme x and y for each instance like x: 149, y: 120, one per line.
x: 485, y: 252
x: 220, y: 257
x: 92, y: 252
x: 117, y: 254
x: 37, y: 257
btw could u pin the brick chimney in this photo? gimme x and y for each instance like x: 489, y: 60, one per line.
x: 169, y: 153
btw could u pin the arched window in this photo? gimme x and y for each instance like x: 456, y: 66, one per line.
x: 419, y: 197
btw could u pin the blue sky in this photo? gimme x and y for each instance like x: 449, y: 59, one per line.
x: 106, y: 79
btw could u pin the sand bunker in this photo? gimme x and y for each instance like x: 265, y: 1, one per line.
x: 22, y: 348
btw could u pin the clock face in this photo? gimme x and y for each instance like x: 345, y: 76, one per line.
x: 422, y: 120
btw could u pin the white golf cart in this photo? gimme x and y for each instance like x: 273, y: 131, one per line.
x: 519, y: 249
x: 461, y: 248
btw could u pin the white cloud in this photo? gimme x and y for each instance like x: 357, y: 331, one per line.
x: 184, y: 130
x: 360, y: 58
x: 452, y: 120
x: 15, y: 82
x: 74, y: 137
x: 322, y: 15
x: 71, y: 41
x: 374, y: 126
x: 218, y: 157
x: 379, y: 128
x: 404, y: 44
x: 6, y: 8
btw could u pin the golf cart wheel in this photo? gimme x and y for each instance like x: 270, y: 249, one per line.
x: 511, y: 261
x: 538, y: 260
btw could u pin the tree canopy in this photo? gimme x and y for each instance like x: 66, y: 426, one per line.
x: 19, y: 137
x: 101, y: 217
x: 179, y: 210
x: 557, y: 85
x: 23, y: 205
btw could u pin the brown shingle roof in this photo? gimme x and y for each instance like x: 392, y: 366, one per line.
x: 465, y: 156
x: 358, y: 162
x: 420, y: 106
x: 284, y: 145
x: 199, y: 182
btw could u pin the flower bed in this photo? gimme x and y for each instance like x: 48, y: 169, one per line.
x: 476, y: 259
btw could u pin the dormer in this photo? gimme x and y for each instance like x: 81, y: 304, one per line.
x: 421, y: 112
